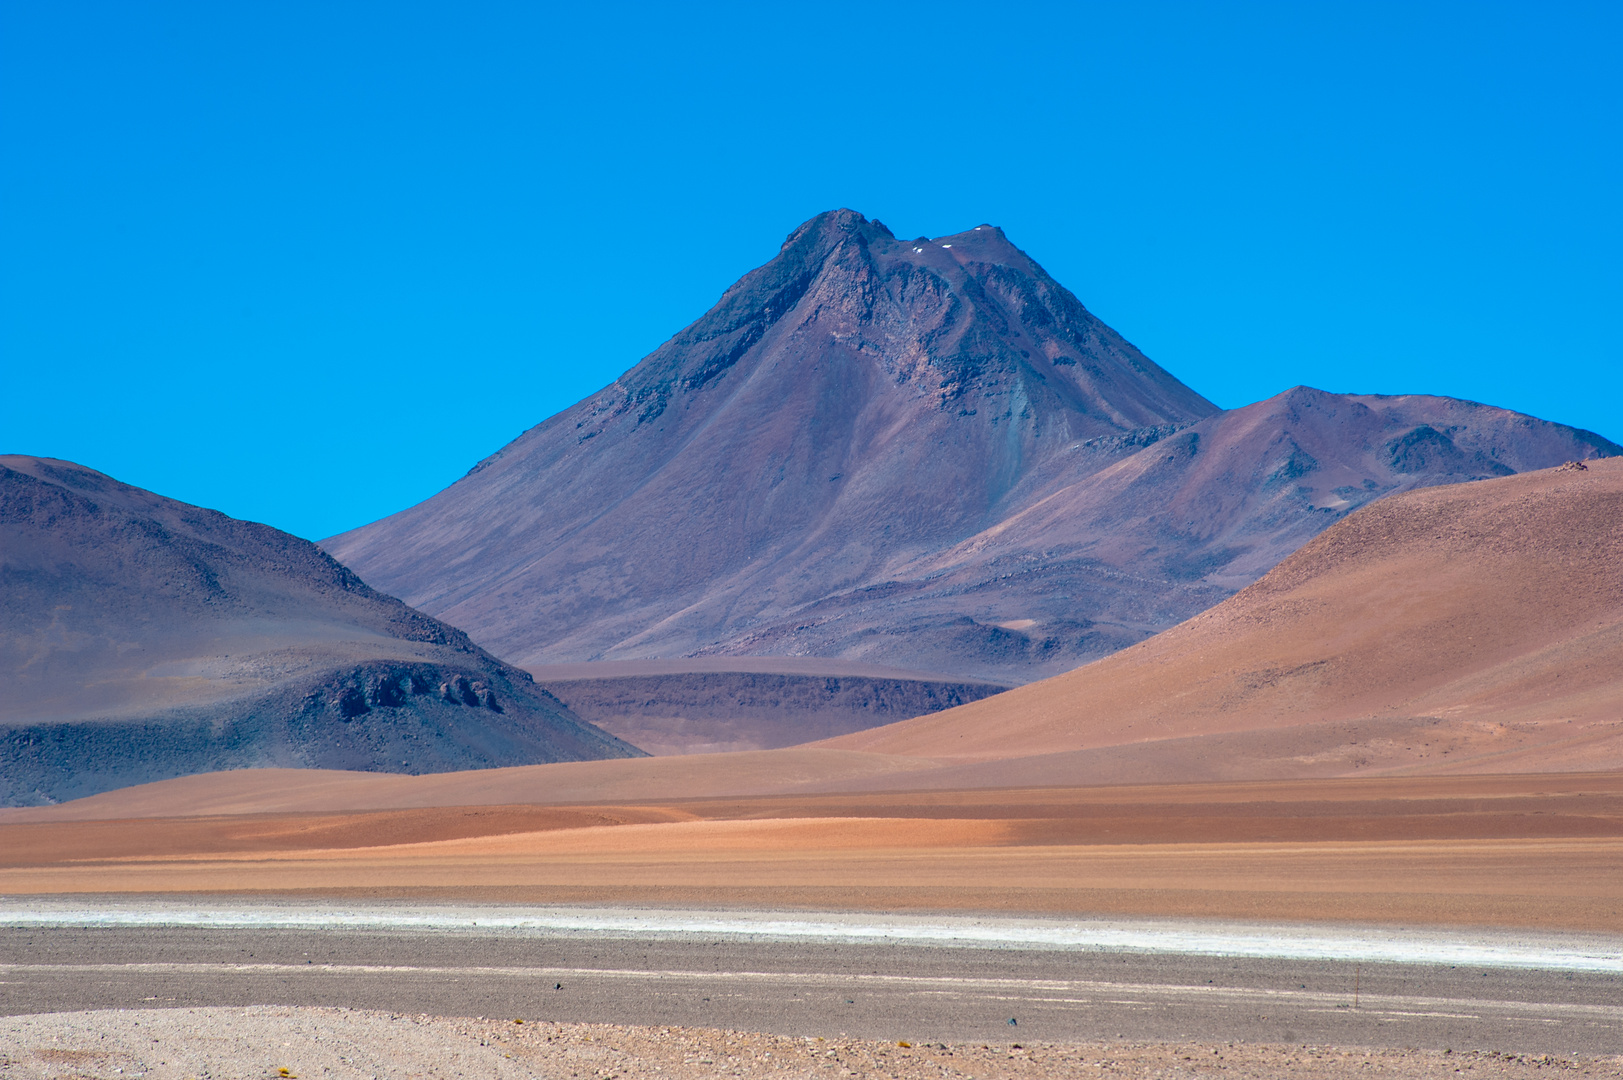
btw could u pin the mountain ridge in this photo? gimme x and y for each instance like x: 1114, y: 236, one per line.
x: 790, y: 474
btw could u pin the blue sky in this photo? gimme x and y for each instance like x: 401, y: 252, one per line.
x: 307, y: 263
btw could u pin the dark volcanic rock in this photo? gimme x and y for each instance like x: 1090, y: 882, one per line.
x: 924, y: 454
x: 145, y: 638
x: 715, y: 711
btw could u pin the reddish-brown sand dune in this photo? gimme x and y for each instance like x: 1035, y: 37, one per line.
x: 1478, y: 627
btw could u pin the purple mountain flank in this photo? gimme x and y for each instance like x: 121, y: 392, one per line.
x: 922, y: 453
x: 145, y: 638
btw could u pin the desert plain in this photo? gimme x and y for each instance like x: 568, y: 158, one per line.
x: 1539, y: 850
x: 1387, y: 869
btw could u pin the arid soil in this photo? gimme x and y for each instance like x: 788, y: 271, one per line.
x: 249, y: 791
x: 1543, y: 851
x: 271, y: 1041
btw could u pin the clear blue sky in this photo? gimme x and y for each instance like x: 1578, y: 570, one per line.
x: 307, y: 263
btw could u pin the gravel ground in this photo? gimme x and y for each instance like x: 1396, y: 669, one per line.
x: 344, y: 1044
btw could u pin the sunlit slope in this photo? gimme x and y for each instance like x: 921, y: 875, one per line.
x: 1461, y: 611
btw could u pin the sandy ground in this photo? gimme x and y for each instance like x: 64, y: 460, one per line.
x: 249, y: 791
x: 1535, y: 851
x: 1573, y: 884
x: 772, y: 783
x: 341, y: 1043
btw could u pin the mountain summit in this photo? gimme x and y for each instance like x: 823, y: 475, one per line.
x: 962, y: 323
x: 847, y: 457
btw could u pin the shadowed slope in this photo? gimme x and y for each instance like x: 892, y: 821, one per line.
x: 1224, y: 500
x: 147, y: 638
x: 925, y: 454
x: 1149, y: 540
x: 1451, y: 621
x: 717, y: 711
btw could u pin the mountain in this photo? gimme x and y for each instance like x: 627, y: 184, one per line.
x: 145, y: 638
x: 1469, y: 628
x: 923, y: 454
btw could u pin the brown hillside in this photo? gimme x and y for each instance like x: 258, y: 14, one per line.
x: 1479, y: 625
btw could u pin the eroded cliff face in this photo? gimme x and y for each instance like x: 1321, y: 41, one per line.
x: 859, y: 452
x: 146, y: 639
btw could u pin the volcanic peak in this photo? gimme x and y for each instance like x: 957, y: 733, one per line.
x: 924, y: 454
x: 959, y: 318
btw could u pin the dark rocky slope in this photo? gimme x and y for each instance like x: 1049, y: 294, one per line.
x: 704, y: 712
x: 145, y: 639
x: 925, y: 454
